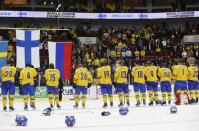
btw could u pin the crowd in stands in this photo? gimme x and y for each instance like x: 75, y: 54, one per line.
x: 157, y: 43
x: 127, y: 5
x: 108, y: 5
x: 114, y: 5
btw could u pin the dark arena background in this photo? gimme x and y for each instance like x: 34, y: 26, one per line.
x: 99, y: 65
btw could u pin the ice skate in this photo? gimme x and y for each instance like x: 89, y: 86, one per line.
x: 138, y: 104
x: 11, y: 109
x: 105, y: 105
x: 75, y: 106
x: 121, y: 104
x: 151, y: 103
x: 111, y: 104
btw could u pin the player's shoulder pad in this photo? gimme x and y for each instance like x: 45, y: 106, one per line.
x: 23, y: 69
x: 77, y: 70
x: 34, y: 69
x: 14, y: 67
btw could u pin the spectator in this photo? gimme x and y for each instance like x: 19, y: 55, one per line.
x: 128, y: 53
x: 164, y: 43
x: 137, y: 54
x: 184, y: 54
x: 142, y: 54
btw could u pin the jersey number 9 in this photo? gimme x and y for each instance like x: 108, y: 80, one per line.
x: 52, y: 77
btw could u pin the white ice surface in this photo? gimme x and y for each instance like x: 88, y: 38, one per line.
x: 156, y: 118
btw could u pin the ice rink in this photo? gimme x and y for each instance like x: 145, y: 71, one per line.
x: 156, y: 118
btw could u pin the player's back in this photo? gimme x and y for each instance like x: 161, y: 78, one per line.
x: 8, y: 73
x: 27, y: 75
x: 164, y: 74
x: 180, y: 72
x: 121, y: 74
x: 193, y: 73
x: 138, y: 74
x: 151, y: 73
x: 104, y: 75
x: 82, y: 77
x: 52, y: 77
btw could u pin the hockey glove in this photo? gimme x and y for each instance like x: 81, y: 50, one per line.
x: 20, y: 91
x: 74, y: 86
x: 89, y: 85
x: 114, y: 84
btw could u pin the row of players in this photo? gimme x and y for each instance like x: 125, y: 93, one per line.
x: 144, y: 79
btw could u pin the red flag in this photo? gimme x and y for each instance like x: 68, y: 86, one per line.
x: 67, y: 60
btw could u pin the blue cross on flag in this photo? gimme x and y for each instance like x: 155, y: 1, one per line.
x: 28, y: 48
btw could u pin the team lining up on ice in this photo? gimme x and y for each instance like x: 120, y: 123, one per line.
x: 144, y: 79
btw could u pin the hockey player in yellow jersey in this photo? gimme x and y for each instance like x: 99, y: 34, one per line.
x: 104, y: 76
x: 52, y: 77
x: 82, y: 81
x: 27, y: 76
x: 121, y: 82
x: 139, y: 83
x: 165, y: 78
x: 8, y: 87
x: 180, y: 73
x: 193, y: 85
x: 151, y: 82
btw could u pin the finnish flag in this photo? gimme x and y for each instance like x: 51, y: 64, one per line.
x: 27, y: 48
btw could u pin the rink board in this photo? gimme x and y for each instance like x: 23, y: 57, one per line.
x: 94, y: 92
